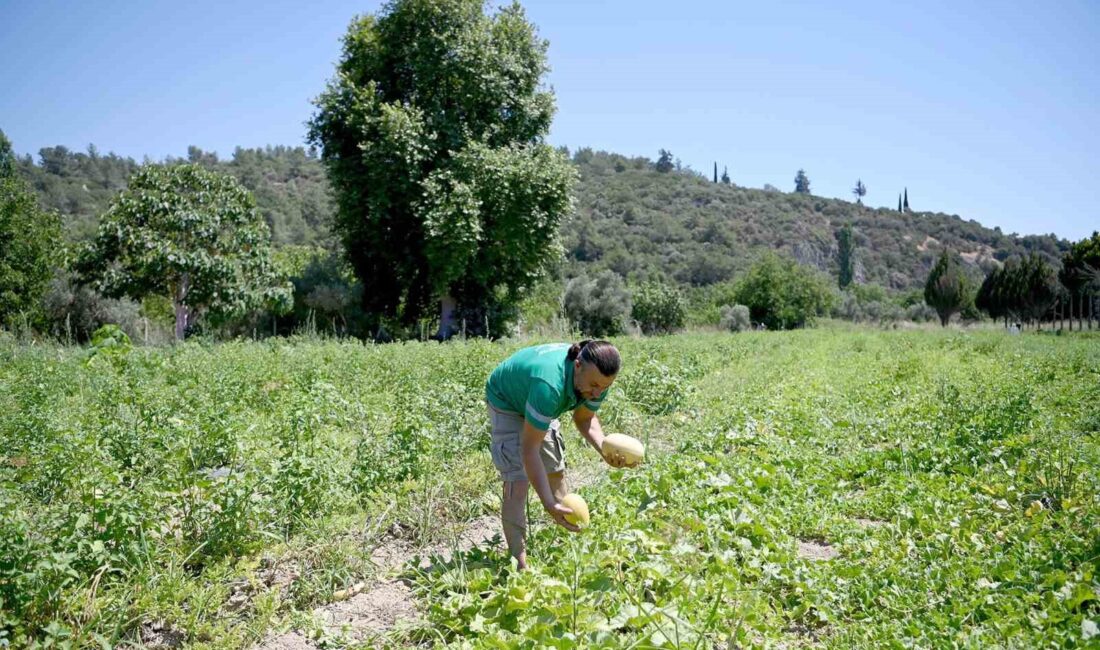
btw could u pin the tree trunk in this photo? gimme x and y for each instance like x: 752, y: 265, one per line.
x: 182, y: 315
x: 183, y: 312
x: 446, y: 318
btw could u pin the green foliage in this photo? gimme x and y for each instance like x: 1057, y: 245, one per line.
x: 288, y: 183
x: 655, y: 388
x: 7, y: 157
x: 77, y: 185
x: 543, y: 306
x: 1080, y: 272
x: 947, y: 289
x: 659, y: 308
x: 629, y: 218
x: 845, y: 255
x: 928, y: 463
x: 1037, y: 287
x: 1000, y: 292
x: 598, y: 305
x: 872, y: 303
x: 664, y: 162
x: 110, y: 337
x: 73, y: 312
x: 1023, y: 288
x: 782, y: 294
x: 327, y: 295
x: 801, y: 182
x: 860, y: 191
x: 432, y: 133
x: 735, y: 318
x: 643, y: 224
x: 29, y: 242
x: 188, y: 233
x: 913, y: 459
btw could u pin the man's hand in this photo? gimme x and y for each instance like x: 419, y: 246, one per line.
x: 557, y: 512
x: 616, y: 460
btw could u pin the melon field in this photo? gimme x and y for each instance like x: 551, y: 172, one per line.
x: 829, y: 488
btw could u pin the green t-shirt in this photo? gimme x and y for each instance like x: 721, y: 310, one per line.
x: 537, y: 382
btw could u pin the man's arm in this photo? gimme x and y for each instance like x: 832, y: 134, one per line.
x: 589, y: 426
x: 530, y: 442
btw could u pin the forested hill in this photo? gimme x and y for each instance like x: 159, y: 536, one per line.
x: 637, y: 221
x: 289, y: 184
x: 630, y: 217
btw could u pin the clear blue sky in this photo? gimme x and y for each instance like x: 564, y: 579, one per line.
x: 988, y: 110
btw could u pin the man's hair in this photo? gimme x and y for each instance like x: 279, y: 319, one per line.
x: 601, y: 353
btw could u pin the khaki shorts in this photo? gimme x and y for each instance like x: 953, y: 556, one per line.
x: 505, y: 446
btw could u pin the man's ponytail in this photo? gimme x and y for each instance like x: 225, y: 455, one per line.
x: 575, y: 349
x: 601, y: 353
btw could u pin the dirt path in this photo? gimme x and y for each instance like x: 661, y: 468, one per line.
x: 365, y: 613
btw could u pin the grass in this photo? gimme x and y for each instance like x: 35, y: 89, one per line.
x: 142, y: 487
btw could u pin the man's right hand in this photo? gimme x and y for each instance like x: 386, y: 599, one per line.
x: 557, y: 512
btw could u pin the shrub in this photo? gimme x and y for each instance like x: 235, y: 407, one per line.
x: 782, y: 294
x: 73, y: 312
x: 597, y: 305
x: 920, y: 313
x: 659, y: 308
x: 735, y: 318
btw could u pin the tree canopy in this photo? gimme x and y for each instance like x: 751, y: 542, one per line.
x: 433, y: 135
x: 188, y: 233
x: 948, y: 288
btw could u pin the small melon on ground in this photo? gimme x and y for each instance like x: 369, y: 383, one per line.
x: 630, y: 447
x: 574, y: 502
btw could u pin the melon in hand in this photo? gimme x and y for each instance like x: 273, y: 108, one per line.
x: 579, y: 516
x: 631, y: 449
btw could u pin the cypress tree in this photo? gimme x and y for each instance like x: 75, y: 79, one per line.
x: 845, y: 258
x: 947, y: 288
x: 907, y: 199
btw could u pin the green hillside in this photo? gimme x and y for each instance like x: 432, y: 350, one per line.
x: 640, y: 222
x: 289, y: 184
x: 630, y: 218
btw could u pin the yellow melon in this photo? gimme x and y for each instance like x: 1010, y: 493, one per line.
x: 574, y: 502
x: 631, y: 448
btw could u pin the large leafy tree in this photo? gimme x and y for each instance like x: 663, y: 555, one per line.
x: 29, y: 241
x: 947, y: 289
x: 782, y: 294
x: 191, y: 234
x: 433, y: 135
